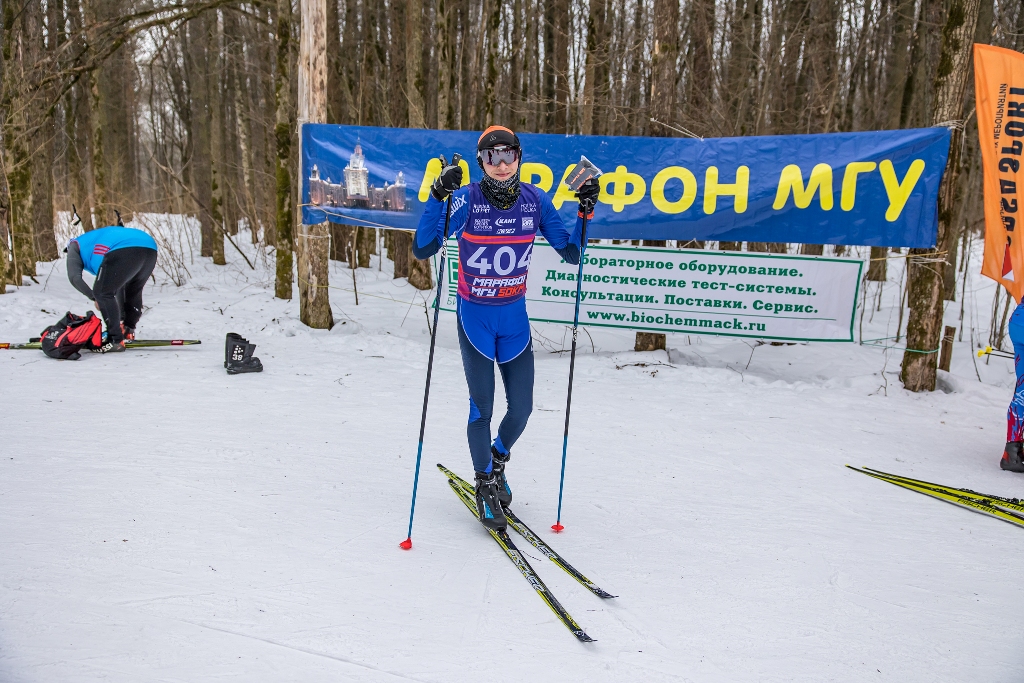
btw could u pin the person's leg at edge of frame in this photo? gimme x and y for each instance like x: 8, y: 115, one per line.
x: 1012, y: 459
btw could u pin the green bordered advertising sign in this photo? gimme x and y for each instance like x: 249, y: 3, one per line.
x: 736, y: 294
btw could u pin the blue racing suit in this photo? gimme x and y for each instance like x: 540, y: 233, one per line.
x: 1015, y: 413
x: 495, y: 247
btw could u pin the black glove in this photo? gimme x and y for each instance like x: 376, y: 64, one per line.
x: 446, y: 183
x: 588, y: 195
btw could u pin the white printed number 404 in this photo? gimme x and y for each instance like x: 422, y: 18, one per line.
x: 504, y: 260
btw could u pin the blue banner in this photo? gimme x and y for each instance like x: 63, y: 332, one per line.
x: 874, y: 188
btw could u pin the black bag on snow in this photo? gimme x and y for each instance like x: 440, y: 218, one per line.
x: 71, y: 334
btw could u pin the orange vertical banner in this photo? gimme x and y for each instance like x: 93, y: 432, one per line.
x: 999, y: 91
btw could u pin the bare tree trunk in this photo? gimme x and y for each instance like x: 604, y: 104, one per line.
x: 5, y: 56
x: 419, y: 271
x: 79, y: 130
x: 924, y: 325
x: 702, y: 44
x: 401, y: 252
x: 100, y: 194
x: 491, y: 36
x: 101, y: 203
x: 896, y: 64
x: 283, y: 138
x: 560, y: 65
x: 4, y: 234
x: 200, y: 33
x: 113, y: 114
x: 314, y: 243
x: 218, y: 149
x: 41, y: 139
x: 245, y: 196
x: 336, y: 96
x: 446, y: 65
x: 414, y: 62
x: 877, y: 265
x: 821, y: 86
x: 663, y: 64
x: 364, y: 246
x: 17, y: 161
x: 596, y: 69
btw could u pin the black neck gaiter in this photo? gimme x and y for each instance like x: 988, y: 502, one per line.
x: 502, y: 194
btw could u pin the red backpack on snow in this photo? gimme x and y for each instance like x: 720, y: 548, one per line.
x: 71, y: 334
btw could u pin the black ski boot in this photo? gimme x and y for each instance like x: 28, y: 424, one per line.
x: 1012, y: 460
x: 242, y: 361
x: 488, y: 507
x: 499, y: 460
x: 229, y: 343
x: 111, y: 346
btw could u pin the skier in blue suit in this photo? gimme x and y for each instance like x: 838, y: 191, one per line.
x: 495, y: 222
x: 122, y: 259
x: 1013, y: 453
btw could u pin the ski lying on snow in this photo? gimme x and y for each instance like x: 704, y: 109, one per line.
x: 962, y: 500
x: 533, y: 539
x: 525, y: 569
x: 1009, y: 503
x: 137, y: 344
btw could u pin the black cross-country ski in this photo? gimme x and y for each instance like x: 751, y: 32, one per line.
x: 525, y: 569
x: 533, y: 539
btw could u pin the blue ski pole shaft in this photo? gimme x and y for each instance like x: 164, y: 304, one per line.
x: 557, y: 526
x: 407, y: 543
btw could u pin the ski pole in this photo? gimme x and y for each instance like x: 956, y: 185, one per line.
x: 583, y: 172
x: 989, y: 351
x: 407, y: 543
x: 34, y: 343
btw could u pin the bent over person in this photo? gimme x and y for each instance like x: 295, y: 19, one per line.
x: 495, y: 222
x: 122, y: 259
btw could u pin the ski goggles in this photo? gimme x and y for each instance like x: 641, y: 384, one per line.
x: 496, y: 155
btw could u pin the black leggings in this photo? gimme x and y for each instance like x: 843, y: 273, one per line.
x: 118, y: 287
x: 517, y: 376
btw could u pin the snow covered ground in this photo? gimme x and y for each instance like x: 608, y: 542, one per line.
x: 162, y: 521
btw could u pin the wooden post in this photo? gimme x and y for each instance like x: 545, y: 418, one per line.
x: 925, y: 267
x: 313, y: 245
x: 650, y: 341
x: 946, y: 352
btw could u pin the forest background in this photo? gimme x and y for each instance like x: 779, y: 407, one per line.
x: 190, y: 107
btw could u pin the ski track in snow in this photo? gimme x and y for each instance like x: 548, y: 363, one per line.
x: 163, y: 521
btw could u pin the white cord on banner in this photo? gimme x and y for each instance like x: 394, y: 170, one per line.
x: 679, y: 129
x: 957, y: 124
